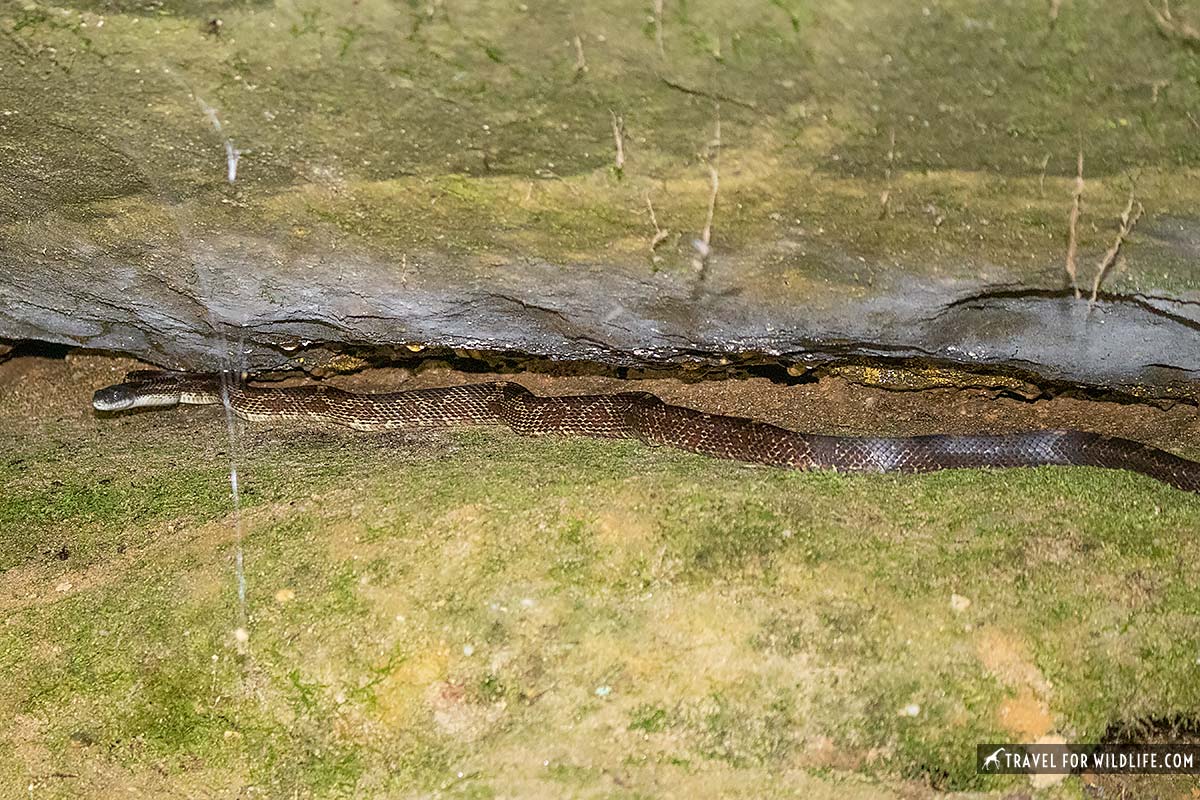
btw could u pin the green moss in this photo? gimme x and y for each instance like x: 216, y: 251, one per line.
x: 778, y: 542
x: 759, y: 732
x: 36, y: 519
x: 648, y: 718
x: 405, y: 130
x: 450, y: 609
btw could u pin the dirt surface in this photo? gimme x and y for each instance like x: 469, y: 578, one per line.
x: 53, y: 388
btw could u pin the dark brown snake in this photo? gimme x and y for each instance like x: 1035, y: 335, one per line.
x: 643, y: 416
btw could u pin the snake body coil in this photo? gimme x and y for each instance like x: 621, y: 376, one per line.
x: 643, y: 416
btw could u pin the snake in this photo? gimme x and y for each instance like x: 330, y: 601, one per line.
x: 645, y: 417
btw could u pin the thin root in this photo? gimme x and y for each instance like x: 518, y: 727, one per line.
x: 1073, y: 224
x: 703, y: 249
x: 1129, y: 218
x: 1172, y: 27
x: 618, y: 128
x: 660, y: 234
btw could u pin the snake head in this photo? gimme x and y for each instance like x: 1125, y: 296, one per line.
x: 141, y: 388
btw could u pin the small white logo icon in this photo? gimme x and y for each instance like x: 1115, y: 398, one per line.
x: 993, y: 760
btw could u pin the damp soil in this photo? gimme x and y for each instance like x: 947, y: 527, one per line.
x: 477, y: 614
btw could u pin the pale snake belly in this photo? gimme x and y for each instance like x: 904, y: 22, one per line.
x: 645, y: 417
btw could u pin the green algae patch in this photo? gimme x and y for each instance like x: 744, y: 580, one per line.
x: 64, y: 500
x: 477, y: 614
x: 33, y: 518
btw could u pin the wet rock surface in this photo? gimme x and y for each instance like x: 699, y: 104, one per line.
x: 254, y: 318
x: 294, y: 181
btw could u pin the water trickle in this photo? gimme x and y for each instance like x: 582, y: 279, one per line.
x: 232, y: 154
x: 236, y: 357
x: 234, y: 363
x: 241, y: 634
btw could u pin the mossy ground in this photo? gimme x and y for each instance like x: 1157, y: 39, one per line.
x: 473, y: 614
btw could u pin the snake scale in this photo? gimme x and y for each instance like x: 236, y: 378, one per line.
x: 643, y: 416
